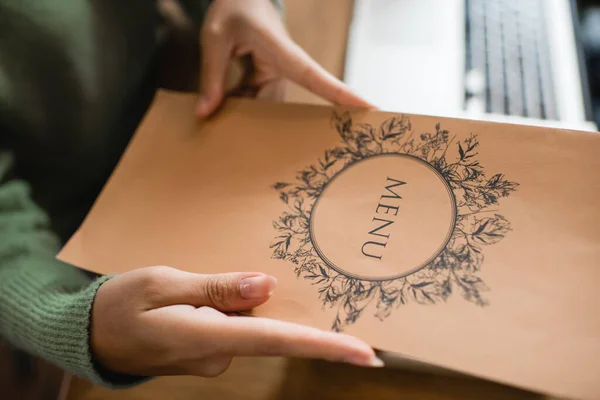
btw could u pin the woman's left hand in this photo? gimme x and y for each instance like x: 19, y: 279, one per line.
x: 235, y: 28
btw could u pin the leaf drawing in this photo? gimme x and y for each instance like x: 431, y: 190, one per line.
x: 454, y: 270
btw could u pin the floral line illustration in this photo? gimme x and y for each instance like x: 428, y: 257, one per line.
x: 455, y: 269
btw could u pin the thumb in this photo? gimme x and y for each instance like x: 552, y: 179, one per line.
x: 238, y: 291
x: 216, y: 52
x: 234, y: 291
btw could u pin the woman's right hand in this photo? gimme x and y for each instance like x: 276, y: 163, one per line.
x: 162, y: 321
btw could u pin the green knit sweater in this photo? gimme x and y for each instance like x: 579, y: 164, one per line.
x: 44, y: 304
x: 76, y: 77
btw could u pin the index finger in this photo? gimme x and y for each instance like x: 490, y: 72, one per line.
x: 302, y: 69
x: 253, y: 336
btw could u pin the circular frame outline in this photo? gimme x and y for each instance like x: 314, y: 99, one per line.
x: 397, y: 276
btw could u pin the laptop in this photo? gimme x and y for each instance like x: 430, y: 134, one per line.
x: 514, y: 61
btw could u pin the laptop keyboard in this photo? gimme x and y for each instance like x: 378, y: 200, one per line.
x: 508, y: 67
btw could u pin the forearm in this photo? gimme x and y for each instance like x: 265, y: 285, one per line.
x: 45, y: 305
x: 44, y: 310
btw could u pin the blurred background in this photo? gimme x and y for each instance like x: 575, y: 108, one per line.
x: 524, y: 61
x: 589, y: 20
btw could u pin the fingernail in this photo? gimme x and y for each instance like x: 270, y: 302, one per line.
x: 257, y: 287
x: 377, y: 362
x: 201, y: 105
x: 374, y: 362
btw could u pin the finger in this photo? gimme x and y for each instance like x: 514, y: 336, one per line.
x: 249, y: 336
x: 274, y: 90
x: 210, y: 367
x: 299, y: 67
x: 174, y: 13
x: 233, y: 291
x: 216, y: 49
x: 225, y: 292
x: 245, y: 85
x: 244, y: 91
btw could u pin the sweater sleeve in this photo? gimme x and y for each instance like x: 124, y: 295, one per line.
x: 45, y: 304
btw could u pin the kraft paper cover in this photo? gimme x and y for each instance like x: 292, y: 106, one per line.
x: 468, y: 245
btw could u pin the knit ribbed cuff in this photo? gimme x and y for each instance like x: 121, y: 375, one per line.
x: 46, y: 315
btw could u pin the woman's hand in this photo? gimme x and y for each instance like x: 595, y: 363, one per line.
x: 162, y: 321
x: 234, y: 28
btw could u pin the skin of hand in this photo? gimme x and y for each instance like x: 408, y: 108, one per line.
x: 253, y: 30
x: 162, y: 321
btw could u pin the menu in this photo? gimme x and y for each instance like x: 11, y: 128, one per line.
x: 467, y: 245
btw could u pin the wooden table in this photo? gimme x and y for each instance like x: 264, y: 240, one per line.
x: 270, y: 379
x: 320, y: 26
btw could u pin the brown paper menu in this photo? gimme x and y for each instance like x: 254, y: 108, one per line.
x: 468, y: 245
